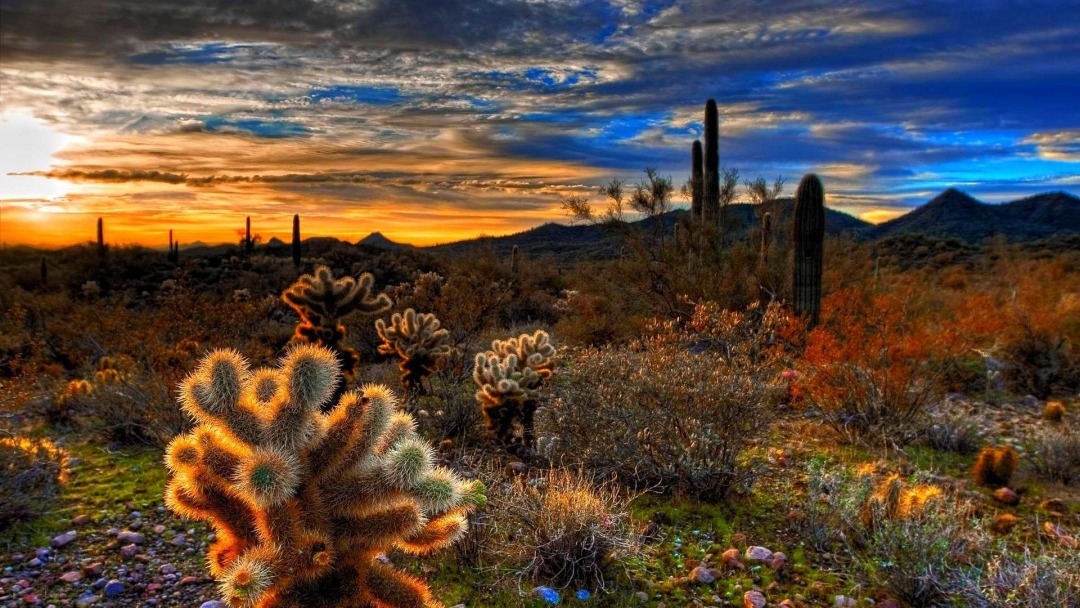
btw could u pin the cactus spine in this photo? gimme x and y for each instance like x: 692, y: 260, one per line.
x: 420, y: 343
x: 510, y: 376
x: 808, y: 236
x: 321, y: 301
x: 697, y: 182
x: 303, y: 503
x: 711, y: 187
x: 296, y: 240
x: 101, y: 236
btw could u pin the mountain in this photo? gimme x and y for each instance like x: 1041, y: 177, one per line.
x: 588, y: 241
x: 957, y: 214
x: 378, y: 241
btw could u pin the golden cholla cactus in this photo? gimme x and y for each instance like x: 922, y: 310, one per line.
x: 510, y: 376
x: 303, y: 502
x: 893, y: 500
x: 417, y: 339
x: 321, y: 301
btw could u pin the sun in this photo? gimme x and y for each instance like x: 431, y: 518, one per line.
x: 27, y: 144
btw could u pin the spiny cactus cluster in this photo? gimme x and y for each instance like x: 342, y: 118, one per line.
x: 510, y: 376
x: 321, y: 301
x: 892, y: 499
x: 302, y: 502
x: 420, y: 343
x: 995, y: 466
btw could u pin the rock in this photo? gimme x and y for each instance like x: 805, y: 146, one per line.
x: 73, y: 576
x: 1053, y: 505
x: 701, y: 575
x: 1054, y: 531
x: 131, y: 538
x: 787, y: 603
x: 129, y: 551
x: 1030, y: 401
x: 842, y: 601
x: 189, y: 580
x: 167, y: 569
x: 1006, y: 496
x: 159, y: 529
x: 80, y: 520
x: 753, y: 599
x: 114, y: 588
x: 641, y: 597
x: 547, y: 594
x: 95, y: 569
x: 730, y: 559
x: 86, y: 600
x: 758, y: 554
x: 213, y: 604
x: 1003, y: 523
x: 778, y: 561
x: 888, y: 603
x: 63, y: 539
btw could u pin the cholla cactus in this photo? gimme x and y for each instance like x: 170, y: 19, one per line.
x: 303, y: 502
x: 417, y: 339
x: 321, y: 301
x: 510, y: 376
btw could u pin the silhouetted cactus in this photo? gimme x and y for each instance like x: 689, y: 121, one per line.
x: 697, y: 182
x: 418, y: 341
x: 808, y: 239
x: 995, y: 466
x: 766, y: 237
x: 249, y: 244
x: 510, y: 376
x: 711, y: 186
x: 303, y: 503
x: 296, y: 240
x: 100, y: 236
x: 515, y: 261
x: 321, y: 301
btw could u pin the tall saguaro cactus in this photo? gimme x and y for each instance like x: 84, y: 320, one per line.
x: 711, y: 188
x: 249, y: 245
x: 766, y: 237
x: 808, y: 236
x: 100, y: 236
x: 296, y: 240
x: 303, y: 503
x: 697, y: 183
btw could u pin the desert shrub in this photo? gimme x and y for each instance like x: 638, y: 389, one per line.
x: 877, y: 362
x: 995, y: 466
x: 677, y: 412
x: 563, y: 528
x: 953, y: 431
x: 30, y: 472
x: 135, y: 407
x: 1031, y: 579
x: 1055, y: 456
x: 1041, y: 363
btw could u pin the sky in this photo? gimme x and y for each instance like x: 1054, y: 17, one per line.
x: 433, y: 121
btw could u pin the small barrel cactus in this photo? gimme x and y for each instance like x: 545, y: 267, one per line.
x: 304, y: 503
x: 420, y: 343
x: 510, y: 376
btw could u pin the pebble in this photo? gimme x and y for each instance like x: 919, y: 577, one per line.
x: 73, y: 576
x: 753, y: 599
x: 114, y: 588
x: 758, y: 554
x: 63, y: 539
x: 133, y: 538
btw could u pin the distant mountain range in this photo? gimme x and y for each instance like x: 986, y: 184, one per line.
x: 952, y: 213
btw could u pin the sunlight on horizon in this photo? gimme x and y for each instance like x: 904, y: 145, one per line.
x: 30, y: 145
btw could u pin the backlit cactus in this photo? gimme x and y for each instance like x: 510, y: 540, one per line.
x: 321, y: 301
x: 711, y: 185
x: 296, y: 240
x: 510, y: 376
x: 808, y: 239
x: 697, y: 182
x: 420, y: 343
x: 101, y: 236
x: 303, y: 503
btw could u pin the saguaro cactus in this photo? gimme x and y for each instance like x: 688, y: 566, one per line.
x: 418, y: 341
x: 296, y: 240
x: 697, y: 182
x: 510, y: 376
x: 808, y: 237
x: 303, y: 503
x: 100, y: 236
x: 514, y: 261
x: 711, y: 187
x: 766, y: 237
x: 321, y: 301
x: 249, y: 245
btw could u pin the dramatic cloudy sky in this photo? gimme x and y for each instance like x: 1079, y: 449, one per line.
x: 432, y: 120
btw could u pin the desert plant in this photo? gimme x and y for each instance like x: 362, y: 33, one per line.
x: 807, y: 239
x: 321, y: 301
x: 30, y: 472
x: 1031, y: 579
x: 1055, y: 456
x: 510, y: 377
x: 953, y: 432
x: 418, y: 341
x: 697, y: 182
x: 711, y: 187
x: 1054, y: 411
x: 1041, y: 363
x: 303, y: 502
x: 995, y: 466
x: 563, y: 528
x: 296, y: 240
x: 101, y: 236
